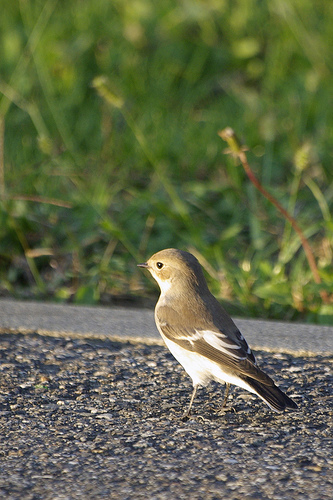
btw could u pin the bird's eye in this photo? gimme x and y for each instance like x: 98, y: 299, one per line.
x: 159, y: 265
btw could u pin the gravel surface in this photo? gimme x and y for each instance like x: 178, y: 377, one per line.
x: 98, y: 419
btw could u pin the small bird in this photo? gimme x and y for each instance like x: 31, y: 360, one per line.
x: 200, y: 333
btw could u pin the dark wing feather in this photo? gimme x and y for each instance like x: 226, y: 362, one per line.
x: 234, y: 358
x: 273, y: 396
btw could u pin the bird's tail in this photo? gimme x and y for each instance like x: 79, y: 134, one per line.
x: 272, y: 395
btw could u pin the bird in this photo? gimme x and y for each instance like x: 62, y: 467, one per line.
x: 200, y: 333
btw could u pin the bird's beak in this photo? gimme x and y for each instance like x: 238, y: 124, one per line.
x: 144, y: 264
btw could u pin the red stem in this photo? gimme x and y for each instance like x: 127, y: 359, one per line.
x: 304, y: 241
x: 237, y: 150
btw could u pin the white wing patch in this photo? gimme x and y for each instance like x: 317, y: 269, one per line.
x: 216, y: 341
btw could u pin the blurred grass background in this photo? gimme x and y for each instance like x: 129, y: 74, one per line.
x: 109, y: 114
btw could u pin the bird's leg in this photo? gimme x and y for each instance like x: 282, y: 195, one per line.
x: 222, y: 409
x: 226, y: 394
x: 188, y: 411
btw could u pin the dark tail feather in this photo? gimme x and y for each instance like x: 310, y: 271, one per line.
x: 272, y: 395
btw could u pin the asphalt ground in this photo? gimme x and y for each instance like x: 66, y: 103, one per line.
x: 96, y: 413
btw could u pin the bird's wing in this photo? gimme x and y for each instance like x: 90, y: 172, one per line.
x: 212, y: 343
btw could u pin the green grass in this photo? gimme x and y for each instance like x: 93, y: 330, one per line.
x: 110, y: 113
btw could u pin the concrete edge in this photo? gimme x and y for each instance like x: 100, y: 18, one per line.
x: 123, y: 339
x: 81, y: 335
x: 124, y: 324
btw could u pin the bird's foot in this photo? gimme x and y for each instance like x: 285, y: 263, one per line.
x: 225, y: 409
x: 185, y: 417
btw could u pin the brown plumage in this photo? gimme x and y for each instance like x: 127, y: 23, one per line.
x: 200, y: 333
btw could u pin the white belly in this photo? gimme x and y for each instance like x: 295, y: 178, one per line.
x: 201, y: 369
